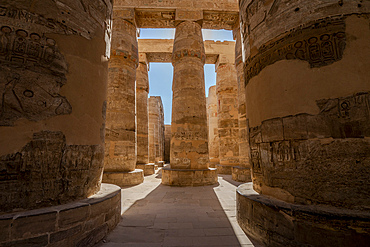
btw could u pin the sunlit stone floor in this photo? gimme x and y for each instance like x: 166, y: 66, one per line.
x: 156, y: 215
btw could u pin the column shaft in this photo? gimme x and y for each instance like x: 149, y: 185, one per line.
x: 213, y: 138
x: 227, y: 113
x: 120, y: 137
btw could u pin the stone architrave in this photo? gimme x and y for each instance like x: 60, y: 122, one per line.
x: 241, y: 173
x: 307, y: 98
x: 120, y: 136
x: 213, y: 139
x: 142, y: 140
x: 189, y: 164
x: 227, y: 114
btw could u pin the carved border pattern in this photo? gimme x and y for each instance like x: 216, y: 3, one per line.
x: 313, y: 43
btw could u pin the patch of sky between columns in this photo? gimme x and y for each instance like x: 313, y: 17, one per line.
x: 161, y: 74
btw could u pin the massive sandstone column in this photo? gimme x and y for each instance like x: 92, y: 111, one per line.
x: 307, y: 74
x: 227, y: 114
x: 53, y: 85
x: 142, y: 143
x: 120, y: 136
x: 189, y: 142
x: 213, y: 139
x: 153, y: 128
x: 242, y: 172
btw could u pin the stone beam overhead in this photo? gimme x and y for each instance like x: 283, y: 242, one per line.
x: 160, y: 50
x: 222, y: 14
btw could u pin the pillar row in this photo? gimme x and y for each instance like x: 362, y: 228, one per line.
x: 189, y: 131
x: 227, y: 113
x: 120, y: 136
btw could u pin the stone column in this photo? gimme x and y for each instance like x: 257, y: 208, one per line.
x: 167, y: 143
x: 307, y: 98
x: 213, y: 139
x: 53, y: 89
x: 142, y: 140
x: 227, y: 114
x: 241, y: 173
x: 189, y: 142
x: 153, y: 128
x: 120, y: 136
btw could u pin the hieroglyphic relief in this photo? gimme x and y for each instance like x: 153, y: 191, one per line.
x: 32, y: 72
x: 318, y: 47
x: 340, y: 118
x: 53, y: 171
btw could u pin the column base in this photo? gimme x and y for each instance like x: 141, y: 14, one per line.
x: 149, y: 169
x: 160, y: 163
x: 185, y: 177
x: 241, y: 174
x: 281, y: 224
x: 124, y: 178
x: 81, y: 223
x: 223, y: 169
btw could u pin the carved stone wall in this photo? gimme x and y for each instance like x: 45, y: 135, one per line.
x: 227, y: 114
x: 53, y: 76
x: 307, y: 98
x: 213, y: 139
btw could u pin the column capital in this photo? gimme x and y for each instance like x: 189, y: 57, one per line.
x: 224, y: 59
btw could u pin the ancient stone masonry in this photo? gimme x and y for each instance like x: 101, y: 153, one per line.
x: 120, y: 137
x: 189, y: 142
x: 53, y: 78
x: 307, y: 105
x: 242, y: 172
x: 156, y: 130
x: 142, y: 117
x: 213, y: 139
x: 227, y: 114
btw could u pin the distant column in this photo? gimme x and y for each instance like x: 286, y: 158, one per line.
x: 242, y: 172
x: 227, y: 113
x: 189, y: 142
x: 142, y: 140
x: 167, y: 141
x: 153, y: 128
x: 213, y: 139
x: 120, y: 138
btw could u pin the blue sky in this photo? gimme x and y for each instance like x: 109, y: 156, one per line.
x: 161, y: 74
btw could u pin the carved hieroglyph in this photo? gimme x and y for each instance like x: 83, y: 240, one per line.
x: 51, y: 145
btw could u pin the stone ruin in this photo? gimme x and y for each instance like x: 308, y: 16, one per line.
x: 289, y: 115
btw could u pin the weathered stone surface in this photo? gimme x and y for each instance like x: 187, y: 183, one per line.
x: 307, y: 98
x: 64, y: 225
x: 227, y: 114
x: 124, y: 178
x: 142, y: 118
x: 52, y: 90
x: 156, y: 129
x: 213, y: 138
x: 277, y: 223
x: 149, y: 169
x: 167, y: 143
x: 189, y: 130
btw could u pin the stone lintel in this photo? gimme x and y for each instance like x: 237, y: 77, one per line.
x: 188, y: 15
x: 160, y: 50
